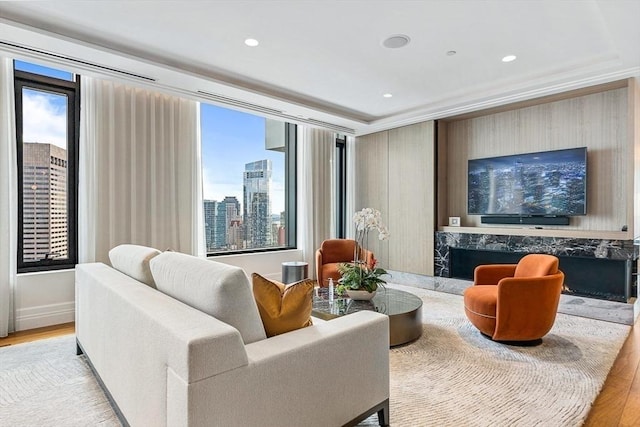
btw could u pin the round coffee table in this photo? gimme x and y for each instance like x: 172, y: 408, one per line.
x: 403, y: 308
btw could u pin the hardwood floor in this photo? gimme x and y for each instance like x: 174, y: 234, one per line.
x: 618, y: 405
x: 38, y: 334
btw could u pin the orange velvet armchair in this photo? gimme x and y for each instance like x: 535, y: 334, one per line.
x: 333, y: 252
x: 515, y: 302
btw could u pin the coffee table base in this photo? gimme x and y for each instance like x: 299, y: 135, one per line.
x: 405, y: 327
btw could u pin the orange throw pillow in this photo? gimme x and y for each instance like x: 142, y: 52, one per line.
x: 283, y: 308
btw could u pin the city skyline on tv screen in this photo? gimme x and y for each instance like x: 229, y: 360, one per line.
x: 545, y: 183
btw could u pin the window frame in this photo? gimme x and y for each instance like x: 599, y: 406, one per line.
x: 341, y: 187
x: 24, y: 79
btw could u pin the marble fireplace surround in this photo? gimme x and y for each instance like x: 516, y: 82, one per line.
x: 567, y: 248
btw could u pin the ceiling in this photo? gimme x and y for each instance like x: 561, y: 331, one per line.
x: 324, y: 60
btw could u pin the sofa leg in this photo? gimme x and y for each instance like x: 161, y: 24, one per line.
x: 383, y: 414
x: 78, y: 349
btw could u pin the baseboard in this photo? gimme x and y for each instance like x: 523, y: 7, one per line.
x: 45, y: 315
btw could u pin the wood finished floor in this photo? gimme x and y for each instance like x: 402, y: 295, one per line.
x: 618, y: 404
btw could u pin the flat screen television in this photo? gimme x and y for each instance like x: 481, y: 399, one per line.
x: 548, y: 183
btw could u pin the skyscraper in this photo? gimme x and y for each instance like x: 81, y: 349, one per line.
x: 44, y: 213
x: 222, y: 224
x: 233, y: 222
x: 209, y: 223
x: 257, y: 204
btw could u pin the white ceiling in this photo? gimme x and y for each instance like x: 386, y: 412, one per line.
x: 325, y: 60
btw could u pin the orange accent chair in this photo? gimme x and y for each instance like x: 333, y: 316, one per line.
x: 333, y: 252
x: 515, y: 302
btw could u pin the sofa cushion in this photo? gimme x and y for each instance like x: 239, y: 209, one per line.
x: 283, y: 308
x: 220, y: 290
x: 133, y: 260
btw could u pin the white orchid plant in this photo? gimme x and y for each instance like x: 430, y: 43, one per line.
x: 366, y: 220
x: 360, y: 274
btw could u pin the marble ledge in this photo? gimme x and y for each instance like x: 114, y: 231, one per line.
x: 541, y: 232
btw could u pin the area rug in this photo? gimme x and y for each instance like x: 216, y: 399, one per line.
x: 451, y: 376
x: 44, y: 383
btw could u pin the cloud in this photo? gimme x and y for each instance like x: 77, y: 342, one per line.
x: 44, y: 118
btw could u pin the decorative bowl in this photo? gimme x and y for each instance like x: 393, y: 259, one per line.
x: 360, y: 295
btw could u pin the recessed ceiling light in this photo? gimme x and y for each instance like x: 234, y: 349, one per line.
x: 451, y: 52
x: 387, y: 95
x: 396, y: 41
x: 509, y: 58
x: 251, y: 42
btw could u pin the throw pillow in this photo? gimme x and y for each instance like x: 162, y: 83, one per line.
x: 283, y: 308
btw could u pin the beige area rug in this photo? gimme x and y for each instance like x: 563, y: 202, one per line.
x: 451, y: 376
x: 44, y: 383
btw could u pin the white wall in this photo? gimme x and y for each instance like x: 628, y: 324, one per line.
x: 48, y: 298
x: 44, y: 298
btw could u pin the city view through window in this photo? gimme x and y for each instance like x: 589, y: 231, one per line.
x: 243, y: 181
x: 44, y: 176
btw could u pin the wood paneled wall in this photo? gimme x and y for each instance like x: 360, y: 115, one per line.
x: 372, y: 184
x: 396, y: 174
x: 634, y: 129
x: 597, y: 121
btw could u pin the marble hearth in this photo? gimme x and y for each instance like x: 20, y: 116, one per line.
x: 595, y: 268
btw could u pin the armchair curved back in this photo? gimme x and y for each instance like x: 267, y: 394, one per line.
x: 333, y: 252
x: 337, y: 250
x: 536, y: 265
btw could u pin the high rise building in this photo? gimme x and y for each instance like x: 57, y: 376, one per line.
x: 233, y: 222
x: 209, y: 223
x: 221, y: 222
x: 257, y: 204
x: 44, y: 213
x: 220, y: 226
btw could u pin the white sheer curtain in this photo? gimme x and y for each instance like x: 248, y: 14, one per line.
x: 139, y: 170
x: 8, y: 197
x: 316, y: 152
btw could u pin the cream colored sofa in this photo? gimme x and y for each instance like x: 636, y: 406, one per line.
x: 165, y: 362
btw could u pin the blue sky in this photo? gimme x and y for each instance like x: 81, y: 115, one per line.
x: 230, y: 139
x: 45, y: 114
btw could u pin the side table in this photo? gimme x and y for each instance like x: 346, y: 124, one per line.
x: 294, y: 271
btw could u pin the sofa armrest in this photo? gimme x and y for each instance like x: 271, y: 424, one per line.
x: 355, y: 327
x: 346, y: 356
x: 299, y: 378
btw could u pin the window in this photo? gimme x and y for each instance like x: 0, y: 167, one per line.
x: 248, y: 170
x: 47, y: 117
x: 341, y: 187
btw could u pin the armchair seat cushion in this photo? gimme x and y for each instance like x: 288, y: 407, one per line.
x: 480, y: 305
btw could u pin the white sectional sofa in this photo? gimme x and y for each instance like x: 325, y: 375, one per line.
x: 164, y: 361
